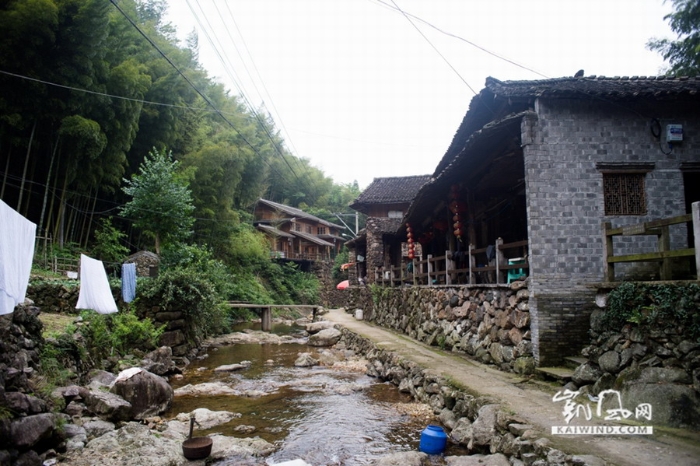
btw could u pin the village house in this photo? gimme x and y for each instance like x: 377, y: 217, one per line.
x: 385, y: 202
x: 296, y: 235
x: 534, y: 173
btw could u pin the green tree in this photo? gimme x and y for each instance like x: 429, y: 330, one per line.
x: 161, y: 204
x: 683, y: 54
x: 108, y: 247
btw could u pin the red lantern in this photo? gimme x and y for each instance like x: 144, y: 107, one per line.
x: 458, y: 233
x: 409, y: 235
x: 457, y: 225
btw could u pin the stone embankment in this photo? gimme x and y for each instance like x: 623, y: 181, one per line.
x: 490, y: 323
x: 491, y: 435
x: 658, y: 366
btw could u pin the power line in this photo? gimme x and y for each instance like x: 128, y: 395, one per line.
x: 434, y: 48
x: 473, y: 44
x: 229, y: 70
x: 191, y: 84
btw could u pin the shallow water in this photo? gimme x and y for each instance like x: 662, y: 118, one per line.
x: 320, y: 415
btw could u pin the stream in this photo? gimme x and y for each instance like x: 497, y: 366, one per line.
x: 322, y: 415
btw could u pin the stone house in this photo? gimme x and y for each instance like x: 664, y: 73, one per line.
x: 385, y: 201
x: 296, y: 235
x: 541, y: 165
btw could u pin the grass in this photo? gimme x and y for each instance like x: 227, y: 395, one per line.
x: 55, y: 323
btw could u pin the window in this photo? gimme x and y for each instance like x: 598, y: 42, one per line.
x: 321, y: 231
x: 297, y: 227
x: 308, y: 229
x: 395, y: 214
x: 624, y: 193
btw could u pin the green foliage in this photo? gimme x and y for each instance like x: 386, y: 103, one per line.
x: 161, y: 204
x: 57, y: 355
x: 343, y: 257
x: 683, y: 54
x: 108, y: 245
x: 117, y: 334
x: 654, y: 307
x: 191, y: 292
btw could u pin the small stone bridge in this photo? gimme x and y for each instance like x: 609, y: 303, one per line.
x: 266, y: 311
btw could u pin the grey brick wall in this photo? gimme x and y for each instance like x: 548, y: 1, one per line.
x: 565, y: 206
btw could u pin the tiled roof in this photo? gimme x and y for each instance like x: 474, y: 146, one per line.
x: 500, y: 98
x: 273, y: 230
x: 392, y: 190
x: 294, y: 212
x: 597, y: 86
x: 312, y: 238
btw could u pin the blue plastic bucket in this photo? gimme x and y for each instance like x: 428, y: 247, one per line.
x: 433, y: 440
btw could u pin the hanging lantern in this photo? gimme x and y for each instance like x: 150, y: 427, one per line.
x: 458, y: 233
x: 440, y: 225
x: 409, y: 235
x: 457, y: 225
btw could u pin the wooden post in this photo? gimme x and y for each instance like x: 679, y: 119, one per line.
x: 266, y: 319
x: 608, y: 267
x: 470, y: 279
x: 430, y: 269
x: 665, y: 246
x: 696, y: 234
x: 449, y: 265
x: 500, y: 259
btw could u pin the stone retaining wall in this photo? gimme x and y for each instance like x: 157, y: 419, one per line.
x: 489, y: 322
x: 477, y: 423
x: 660, y: 367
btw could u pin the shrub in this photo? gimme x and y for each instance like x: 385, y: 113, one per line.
x: 654, y: 306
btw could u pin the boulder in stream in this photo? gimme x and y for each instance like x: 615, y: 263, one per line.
x: 149, y: 394
x: 327, y: 337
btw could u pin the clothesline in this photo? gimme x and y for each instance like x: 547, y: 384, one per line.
x: 17, y: 240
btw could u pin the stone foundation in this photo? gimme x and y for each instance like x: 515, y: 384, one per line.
x: 489, y: 322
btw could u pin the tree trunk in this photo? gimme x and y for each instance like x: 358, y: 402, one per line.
x: 7, y: 170
x: 46, y: 190
x: 26, y: 163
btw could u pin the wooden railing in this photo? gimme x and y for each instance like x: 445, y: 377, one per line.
x: 467, y: 267
x: 663, y: 255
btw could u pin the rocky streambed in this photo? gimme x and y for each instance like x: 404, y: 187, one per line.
x: 263, y: 398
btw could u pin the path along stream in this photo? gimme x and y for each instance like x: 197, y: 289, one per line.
x: 322, y: 415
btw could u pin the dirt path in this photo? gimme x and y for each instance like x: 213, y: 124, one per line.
x: 533, y: 402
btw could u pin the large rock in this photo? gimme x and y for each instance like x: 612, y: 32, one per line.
x: 316, y: 327
x: 305, y: 360
x: 29, y: 430
x: 610, y: 362
x: 673, y: 405
x: 206, y: 419
x: 327, y: 337
x: 484, y: 427
x: 159, y: 361
x: 108, y: 406
x: 149, y: 394
x: 586, y: 374
x: 404, y: 458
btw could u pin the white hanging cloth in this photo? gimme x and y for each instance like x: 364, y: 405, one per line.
x: 95, y: 292
x: 16, y: 254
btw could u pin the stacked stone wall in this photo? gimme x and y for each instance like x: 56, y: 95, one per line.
x: 660, y: 367
x: 490, y: 434
x: 490, y: 322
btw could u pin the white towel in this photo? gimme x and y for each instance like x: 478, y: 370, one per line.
x: 16, y: 253
x: 95, y: 292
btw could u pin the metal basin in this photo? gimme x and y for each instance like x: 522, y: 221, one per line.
x: 197, y: 448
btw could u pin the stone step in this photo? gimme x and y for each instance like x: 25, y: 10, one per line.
x: 558, y: 373
x: 575, y: 361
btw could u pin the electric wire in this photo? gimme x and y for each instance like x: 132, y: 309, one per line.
x: 473, y: 44
x: 226, y: 63
x: 434, y: 48
x: 191, y: 84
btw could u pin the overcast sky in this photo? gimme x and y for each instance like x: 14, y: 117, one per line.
x: 363, y: 92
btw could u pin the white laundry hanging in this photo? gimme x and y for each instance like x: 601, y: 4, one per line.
x: 95, y: 292
x: 16, y: 253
